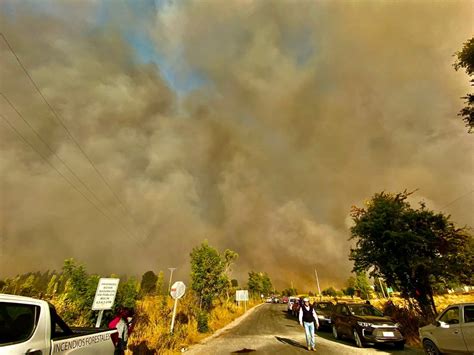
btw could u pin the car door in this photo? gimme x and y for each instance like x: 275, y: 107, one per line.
x: 345, y: 321
x: 448, y: 334
x: 467, y: 327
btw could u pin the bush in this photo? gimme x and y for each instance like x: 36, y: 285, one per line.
x: 203, y: 322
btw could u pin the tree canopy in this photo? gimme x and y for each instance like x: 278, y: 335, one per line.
x: 209, y: 270
x: 259, y: 283
x: 465, y: 60
x: 411, y: 249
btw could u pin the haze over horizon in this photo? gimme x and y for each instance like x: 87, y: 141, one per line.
x: 253, y: 124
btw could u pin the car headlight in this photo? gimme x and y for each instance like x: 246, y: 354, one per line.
x: 365, y: 324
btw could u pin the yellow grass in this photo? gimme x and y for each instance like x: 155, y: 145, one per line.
x: 154, y: 317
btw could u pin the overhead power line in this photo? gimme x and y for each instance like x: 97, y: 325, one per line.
x: 61, y: 122
x: 23, y: 138
x: 457, y: 199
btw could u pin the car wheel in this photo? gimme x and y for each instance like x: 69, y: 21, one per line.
x: 334, y: 332
x: 357, y: 339
x: 430, y: 347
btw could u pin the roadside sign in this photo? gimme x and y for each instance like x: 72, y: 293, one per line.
x: 177, y: 290
x: 241, y: 295
x: 105, y: 294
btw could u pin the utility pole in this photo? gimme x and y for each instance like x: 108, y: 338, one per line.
x: 382, y: 288
x: 317, y: 281
x: 171, y: 269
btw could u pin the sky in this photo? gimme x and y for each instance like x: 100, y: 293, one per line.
x: 255, y: 125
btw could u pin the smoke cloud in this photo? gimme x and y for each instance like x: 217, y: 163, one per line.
x: 252, y: 124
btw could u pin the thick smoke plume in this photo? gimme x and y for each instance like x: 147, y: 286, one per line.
x: 253, y: 124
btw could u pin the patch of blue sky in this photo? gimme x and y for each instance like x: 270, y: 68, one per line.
x: 299, y: 45
x: 180, y: 78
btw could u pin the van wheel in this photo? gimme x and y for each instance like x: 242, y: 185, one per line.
x: 334, y: 332
x: 430, y: 347
x: 357, y: 339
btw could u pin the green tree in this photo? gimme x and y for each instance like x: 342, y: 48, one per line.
x: 208, y: 274
x: 127, y: 292
x: 160, y: 283
x: 148, y: 284
x: 465, y: 60
x: 362, y: 285
x: 350, y: 289
x: 259, y: 283
x: 411, y: 249
x: 52, y: 285
x: 330, y: 291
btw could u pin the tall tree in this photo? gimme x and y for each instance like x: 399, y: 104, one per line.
x: 148, y: 283
x: 411, y: 249
x: 465, y: 60
x: 259, y: 283
x: 208, y: 273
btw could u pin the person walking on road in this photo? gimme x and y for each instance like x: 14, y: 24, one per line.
x: 308, y: 319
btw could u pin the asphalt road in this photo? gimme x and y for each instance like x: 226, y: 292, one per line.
x: 269, y: 330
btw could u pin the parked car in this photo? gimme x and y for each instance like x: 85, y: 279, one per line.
x: 365, y: 324
x: 284, y: 299
x: 32, y: 326
x: 269, y: 300
x: 452, y: 332
x: 324, y: 310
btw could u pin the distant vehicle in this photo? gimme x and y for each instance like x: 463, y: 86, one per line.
x: 32, y: 326
x: 452, y: 332
x: 324, y: 310
x: 284, y: 299
x: 295, y: 309
x: 291, y: 301
x: 269, y: 300
x: 365, y: 324
x: 276, y: 300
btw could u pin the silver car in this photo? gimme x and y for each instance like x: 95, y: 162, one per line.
x: 452, y: 332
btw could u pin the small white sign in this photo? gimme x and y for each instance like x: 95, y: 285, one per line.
x: 241, y: 295
x: 177, y: 290
x: 105, y: 294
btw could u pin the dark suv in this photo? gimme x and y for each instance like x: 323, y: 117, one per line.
x: 324, y: 311
x: 365, y: 324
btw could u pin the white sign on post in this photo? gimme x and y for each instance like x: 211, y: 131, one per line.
x: 104, y: 297
x: 241, y: 295
x: 177, y: 291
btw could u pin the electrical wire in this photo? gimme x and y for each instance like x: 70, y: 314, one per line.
x: 23, y: 138
x: 61, y: 122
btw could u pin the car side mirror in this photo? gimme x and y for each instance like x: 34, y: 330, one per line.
x: 437, y: 323
x: 443, y: 324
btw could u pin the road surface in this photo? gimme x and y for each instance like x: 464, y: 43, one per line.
x: 269, y: 330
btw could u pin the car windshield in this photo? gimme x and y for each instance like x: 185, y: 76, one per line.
x: 365, y: 310
x: 324, y: 306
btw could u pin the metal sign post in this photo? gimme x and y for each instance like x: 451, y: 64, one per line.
x: 177, y: 291
x: 104, y: 297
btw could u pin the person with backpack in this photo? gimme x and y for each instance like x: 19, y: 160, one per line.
x: 308, y: 318
x: 123, y: 322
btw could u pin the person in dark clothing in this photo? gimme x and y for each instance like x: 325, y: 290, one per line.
x: 308, y: 319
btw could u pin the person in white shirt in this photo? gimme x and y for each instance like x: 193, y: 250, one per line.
x: 308, y: 318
